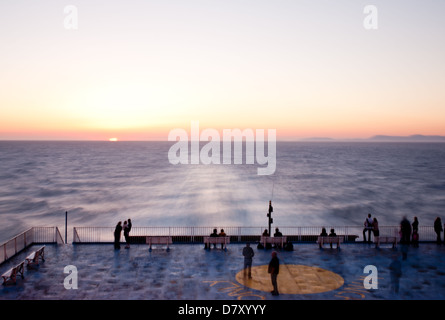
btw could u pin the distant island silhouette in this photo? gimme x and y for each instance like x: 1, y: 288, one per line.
x: 384, y: 138
x: 413, y: 138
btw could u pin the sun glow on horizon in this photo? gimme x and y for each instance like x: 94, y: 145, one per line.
x: 113, y: 139
x: 138, y: 73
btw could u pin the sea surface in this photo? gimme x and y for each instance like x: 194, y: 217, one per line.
x: 315, y: 184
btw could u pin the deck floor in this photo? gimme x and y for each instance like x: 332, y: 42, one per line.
x: 188, y: 272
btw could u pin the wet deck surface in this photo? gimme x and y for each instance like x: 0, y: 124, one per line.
x: 188, y: 272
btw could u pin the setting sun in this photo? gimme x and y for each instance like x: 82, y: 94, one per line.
x: 139, y: 72
x: 112, y: 139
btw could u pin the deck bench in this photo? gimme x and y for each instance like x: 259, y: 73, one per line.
x: 224, y: 241
x: 11, y: 274
x: 330, y: 240
x: 165, y: 240
x: 280, y: 241
x: 385, y: 239
x: 34, y: 257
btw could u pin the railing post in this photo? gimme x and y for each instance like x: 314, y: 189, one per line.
x: 66, y: 225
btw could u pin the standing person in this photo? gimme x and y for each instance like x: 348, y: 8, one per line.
x: 129, y: 225
x: 438, y: 229
x: 117, y: 235
x: 415, y: 235
x: 274, y: 268
x: 127, y: 234
x: 395, y: 269
x: 405, y: 229
x: 375, y: 228
x: 368, y: 228
x: 415, y: 225
x: 415, y: 239
x: 248, y: 255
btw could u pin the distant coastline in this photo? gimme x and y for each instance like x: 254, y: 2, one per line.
x: 412, y: 138
x: 382, y: 138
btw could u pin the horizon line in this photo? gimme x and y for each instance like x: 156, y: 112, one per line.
x: 376, y: 138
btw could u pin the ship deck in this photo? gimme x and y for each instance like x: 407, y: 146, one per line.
x: 189, y: 272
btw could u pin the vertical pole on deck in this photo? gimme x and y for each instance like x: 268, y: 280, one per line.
x: 269, y: 215
x: 66, y: 226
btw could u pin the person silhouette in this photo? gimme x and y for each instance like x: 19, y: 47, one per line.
x: 127, y: 228
x: 395, y: 269
x: 438, y: 229
x: 117, y: 235
x: 368, y: 228
x: 274, y: 269
x: 332, y: 234
x: 222, y: 234
x: 248, y: 255
x: 214, y: 234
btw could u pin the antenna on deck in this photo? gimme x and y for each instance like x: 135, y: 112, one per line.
x: 269, y: 215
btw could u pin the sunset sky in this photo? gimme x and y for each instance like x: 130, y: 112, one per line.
x: 136, y: 69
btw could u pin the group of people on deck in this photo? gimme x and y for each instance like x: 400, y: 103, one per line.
x: 126, y: 227
x: 276, y: 234
x: 409, y: 232
x: 371, y: 226
x: 216, y: 234
x: 287, y: 245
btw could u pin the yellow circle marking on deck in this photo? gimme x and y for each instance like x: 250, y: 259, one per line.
x: 292, y: 279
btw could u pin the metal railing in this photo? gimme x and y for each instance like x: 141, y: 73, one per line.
x: 237, y: 234
x: 33, y: 235
x: 190, y: 235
